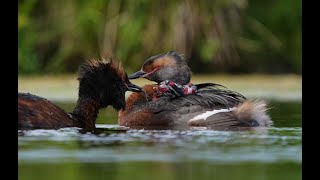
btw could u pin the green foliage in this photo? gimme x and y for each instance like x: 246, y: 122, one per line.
x: 277, y: 27
x: 223, y: 35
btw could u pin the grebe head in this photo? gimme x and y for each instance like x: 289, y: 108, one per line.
x: 167, y: 66
x: 106, y: 82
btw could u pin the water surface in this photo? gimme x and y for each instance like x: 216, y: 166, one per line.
x: 272, y: 153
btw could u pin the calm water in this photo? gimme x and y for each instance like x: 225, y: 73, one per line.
x: 274, y: 153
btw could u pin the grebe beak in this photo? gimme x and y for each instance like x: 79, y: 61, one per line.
x: 133, y: 87
x: 137, y: 74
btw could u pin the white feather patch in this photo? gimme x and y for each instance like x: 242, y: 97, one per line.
x: 207, y: 114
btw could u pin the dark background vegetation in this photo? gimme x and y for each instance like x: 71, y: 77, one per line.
x: 216, y: 36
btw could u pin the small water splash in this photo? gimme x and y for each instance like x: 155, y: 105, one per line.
x: 50, y: 132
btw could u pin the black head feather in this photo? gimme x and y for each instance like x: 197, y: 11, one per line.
x: 103, y: 81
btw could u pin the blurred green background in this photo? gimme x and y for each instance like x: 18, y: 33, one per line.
x: 220, y: 36
x: 250, y: 46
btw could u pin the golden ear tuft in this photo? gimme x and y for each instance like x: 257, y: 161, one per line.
x: 106, y: 57
x: 94, y: 63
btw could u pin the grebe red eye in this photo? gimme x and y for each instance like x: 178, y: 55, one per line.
x: 156, y: 68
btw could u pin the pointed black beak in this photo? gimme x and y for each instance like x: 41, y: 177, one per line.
x: 134, y: 88
x: 137, y: 74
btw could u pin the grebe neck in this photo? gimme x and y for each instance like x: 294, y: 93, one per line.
x: 86, y: 112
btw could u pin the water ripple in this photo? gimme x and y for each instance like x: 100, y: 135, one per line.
x: 67, y: 144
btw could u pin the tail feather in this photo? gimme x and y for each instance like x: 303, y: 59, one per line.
x: 253, y: 110
x: 247, y: 114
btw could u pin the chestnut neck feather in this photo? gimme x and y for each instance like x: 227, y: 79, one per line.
x: 86, y: 112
